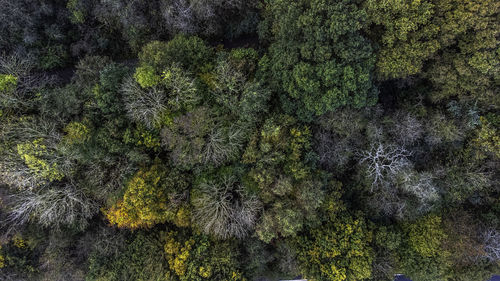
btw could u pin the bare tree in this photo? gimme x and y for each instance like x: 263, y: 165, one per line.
x: 491, y: 241
x: 223, y: 144
x: 228, y: 85
x: 17, y: 64
x: 422, y: 186
x: 14, y: 170
x: 384, y: 162
x: 333, y: 152
x: 407, y: 129
x: 383, y: 267
x: 387, y: 202
x: 148, y: 106
x: 224, y: 210
x: 21, y: 67
x: 440, y: 129
x: 181, y: 90
x: 51, y: 207
x: 179, y: 16
x: 144, y: 105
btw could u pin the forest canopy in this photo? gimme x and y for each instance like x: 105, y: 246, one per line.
x: 181, y: 140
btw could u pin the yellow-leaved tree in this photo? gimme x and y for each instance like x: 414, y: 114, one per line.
x: 153, y: 195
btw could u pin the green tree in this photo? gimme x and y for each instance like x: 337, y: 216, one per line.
x: 190, y: 52
x: 198, y: 257
x: 469, y: 67
x: 318, y: 55
x: 338, y: 250
x: 423, y: 256
x: 141, y: 258
x: 278, y: 154
x: 407, y: 35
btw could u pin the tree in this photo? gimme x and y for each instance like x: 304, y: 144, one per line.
x: 201, y: 136
x: 106, y: 92
x: 174, y: 89
x: 152, y: 196
x: 384, y: 162
x: 224, y: 208
x: 318, y: 56
x: 204, y: 18
x: 487, y: 141
x: 407, y: 129
x: 146, y: 106
x: 440, y: 129
x: 423, y: 257
x: 468, y: 67
x: 463, y: 240
x: 189, y: 52
x: 234, y: 87
x: 140, y: 258
x: 52, y: 208
x: 491, y: 240
x: 30, y: 158
x: 185, y: 137
x: 33, y: 153
x: 338, y: 250
x: 338, y: 135
x: 223, y: 144
x: 8, y: 83
x: 408, y: 36
x: 198, y: 257
x: 278, y: 154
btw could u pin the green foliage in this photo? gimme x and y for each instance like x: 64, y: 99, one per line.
x: 426, y: 236
x: 318, y: 55
x: 77, y: 15
x: 487, y: 140
x: 408, y: 36
x: 160, y: 96
x: 387, y: 238
x: 244, y: 60
x: 468, y: 68
x: 146, y: 77
x: 141, y: 136
x: 8, y: 83
x: 338, y: 250
x: 106, y: 95
x: 240, y: 158
x: 198, y: 258
x: 278, y: 153
x: 141, y: 259
x: 181, y: 89
x: 190, y: 52
x: 424, y: 257
x: 232, y: 88
x: 53, y: 56
x: 19, y: 257
x: 76, y: 133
